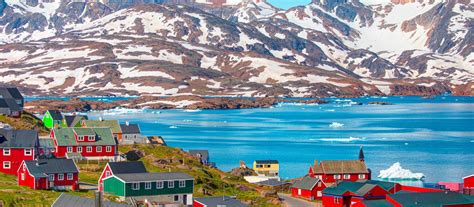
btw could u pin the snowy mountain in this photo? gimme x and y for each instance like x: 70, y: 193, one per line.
x: 237, y: 47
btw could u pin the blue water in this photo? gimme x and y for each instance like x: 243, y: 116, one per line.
x: 431, y: 136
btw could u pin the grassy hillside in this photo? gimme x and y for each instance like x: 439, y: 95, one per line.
x: 27, y: 121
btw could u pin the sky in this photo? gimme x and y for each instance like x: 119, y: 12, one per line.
x: 285, y: 4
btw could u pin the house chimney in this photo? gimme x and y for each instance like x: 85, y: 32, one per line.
x: 98, y: 199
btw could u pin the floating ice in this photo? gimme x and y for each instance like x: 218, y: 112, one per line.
x: 120, y: 110
x: 191, y: 110
x: 396, y: 172
x: 350, y: 139
x: 336, y: 125
x: 173, y: 127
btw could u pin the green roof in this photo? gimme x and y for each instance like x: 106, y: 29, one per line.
x: 357, y: 188
x: 84, y: 131
x: 65, y: 137
x: 112, y: 124
x: 431, y: 199
x: 383, y: 184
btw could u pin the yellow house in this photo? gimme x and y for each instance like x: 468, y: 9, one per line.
x: 266, y: 167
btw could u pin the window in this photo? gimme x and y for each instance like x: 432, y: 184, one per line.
x: 28, y: 152
x: 79, y: 149
x: 69, y: 176
x: 269, y: 166
x: 336, y: 200
x: 135, y: 186
x: 91, y: 138
x: 319, y: 194
x: 176, y: 198
x: 347, y: 176
x: 148, y: 185
x: 319, y: 184
x: 69, y: 149
x: 107, y: 174
x: 299, y: 191
x: 80, y: 138
x: 259, y: 166
x: 51, y: 177
x: 6, y: 151
x: 108, y: 148
x: 98, y: 148
x: 89, y: 148
x: 159, y: 185
x: 170, y: 184
x: 361, y: 176
x: 337, y: 177
x: 182, y: 183
x: 60, y: 176
x: 22, y: 176
x: 6, y: 165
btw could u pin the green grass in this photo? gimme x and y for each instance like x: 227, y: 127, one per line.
x: 26, y: 121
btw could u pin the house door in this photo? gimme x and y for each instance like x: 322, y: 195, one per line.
x: 346, y: 201
x: 185, y: 199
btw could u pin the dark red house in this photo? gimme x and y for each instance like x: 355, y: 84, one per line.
x: 45, y: 174
x: 16, y: 146
x: 84, y: 143
x: 308, y: 188
x: 330, y: 171
x: 345, y: 193
x: 115, y: 168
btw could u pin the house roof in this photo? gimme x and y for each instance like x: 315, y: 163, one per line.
x: 140, y: 177
x: 10, y: 93
x: 307, y: 183
x: 383, y: 184
x: 127, y: 167
x: 468, y: 176
x: 73, y: 120
x: 66, y: 200
x: 431, y: 199
x: 130, y: 128
x: 346, y: 186
x: 112, y: 124
x: 65, y: 137
x: 42, y: 167
x: 340, y: 167
x: 18, y: 138
x: 55, y: 114
x: 266, y: 161
x: 9, y: 103
x: 84, y: 131
x: 220, y: 201
x: 377, y: 203
x: 204, y: 154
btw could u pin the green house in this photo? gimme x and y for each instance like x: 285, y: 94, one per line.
x: 172, y: 187
x: 52, y: 119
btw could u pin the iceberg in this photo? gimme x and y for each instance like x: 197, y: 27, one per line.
x: 336, y: 125
x: 396, y: 172
x: 350, y: 139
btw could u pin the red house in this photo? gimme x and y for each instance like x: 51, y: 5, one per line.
x: 469, y: 185
x: 115, y: 168
x: 84, y: 143
x: 308, y: 188
x: 330, y: 171
x: 16, y: 146
x: 346, y: 193
x: 45, y: 174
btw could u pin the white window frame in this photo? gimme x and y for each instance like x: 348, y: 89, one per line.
x: 171, y: 184
x: 70, y: 149
x: 147, y: 185
x: 337, y: 177
x: 30, y: 152
x: 51, y: 177
x: 361, y: 176
x: 160, y: 185
x: 299, y: 191
x: 80, y: 138
x: 79, y: 149
x: 22, y: 176
x: 108, y: 148
x: 5, y: 163
x: 347, y: 176
x: 7, y: 150
x: 61, y: 176
x: 98, y: 148
x: 336, y: 200
x: 70, y: 176
x: 135, y: 186
x: 91, y: 138
x: 107, y: 174
x: 89, y: 149
x: 182, y: 183
x: 319, y: 184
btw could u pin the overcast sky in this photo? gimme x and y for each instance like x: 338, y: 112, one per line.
x: 285, y: 4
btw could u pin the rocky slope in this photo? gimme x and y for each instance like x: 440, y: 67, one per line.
x: 237, y: 48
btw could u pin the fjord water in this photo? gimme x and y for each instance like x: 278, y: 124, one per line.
x: 431, y: 136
